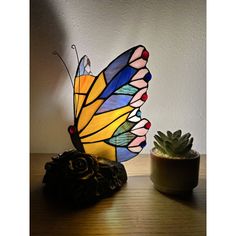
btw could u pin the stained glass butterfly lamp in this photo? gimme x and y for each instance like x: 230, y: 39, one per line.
x: 108, y: 128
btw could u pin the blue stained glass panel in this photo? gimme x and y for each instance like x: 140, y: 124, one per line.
x: 117, y: 65
x: 123, y: 154
x: 120, y: 79
x: 114, y: 102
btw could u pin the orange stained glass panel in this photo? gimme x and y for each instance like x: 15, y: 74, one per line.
x: 83, y: 83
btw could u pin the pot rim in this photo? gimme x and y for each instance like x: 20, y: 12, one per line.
x: 197, y: 155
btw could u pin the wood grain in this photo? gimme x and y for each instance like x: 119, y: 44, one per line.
x: 138, y: 209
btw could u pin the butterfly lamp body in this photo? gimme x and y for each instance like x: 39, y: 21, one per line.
x: 107, y: 130
x: 107, y: 116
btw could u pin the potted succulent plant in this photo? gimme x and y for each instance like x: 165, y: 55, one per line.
x: 174, y: 165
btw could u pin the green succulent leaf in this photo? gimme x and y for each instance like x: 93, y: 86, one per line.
x: 175, y: 142
x: 159, y: 140
x: 163, y: 136
x: 157, y: 146
x: 186, y: 149
x: 191, y: 140
x: 177, y: 134
x: 183, y: 144
x: 185, y: 137
x: 168, y: 148
x: 169, y: 134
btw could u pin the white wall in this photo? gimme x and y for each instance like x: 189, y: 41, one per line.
x: 172, y: 31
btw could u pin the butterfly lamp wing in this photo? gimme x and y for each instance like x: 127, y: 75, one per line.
x: 107, y: 116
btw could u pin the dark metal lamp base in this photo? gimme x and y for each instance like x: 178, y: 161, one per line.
x: 81, y: 179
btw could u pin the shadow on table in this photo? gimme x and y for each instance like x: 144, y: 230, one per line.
x: 54, y: 204
x: 195, y: 199
x: 48, y: 214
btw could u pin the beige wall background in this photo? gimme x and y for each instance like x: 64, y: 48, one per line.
x: 174, y: 33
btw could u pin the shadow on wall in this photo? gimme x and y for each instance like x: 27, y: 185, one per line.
x: 46, y: 35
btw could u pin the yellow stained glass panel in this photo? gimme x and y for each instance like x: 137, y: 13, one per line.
x: 106, y: 132
x: 88, y: 112
x: 101, y: 149
x: 98, y: 87
x: 79, y: 99
x: 101, y: 120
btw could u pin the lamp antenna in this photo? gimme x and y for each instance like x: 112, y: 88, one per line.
x: 57, y: 54
x: 74, y: 47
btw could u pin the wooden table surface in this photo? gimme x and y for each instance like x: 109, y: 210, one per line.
x: 137, y: 209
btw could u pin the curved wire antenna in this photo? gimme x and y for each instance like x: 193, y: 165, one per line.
x: 57, y: 54
x: 74, y: 47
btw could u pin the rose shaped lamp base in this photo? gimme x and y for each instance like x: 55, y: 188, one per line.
x: 81, y: 179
